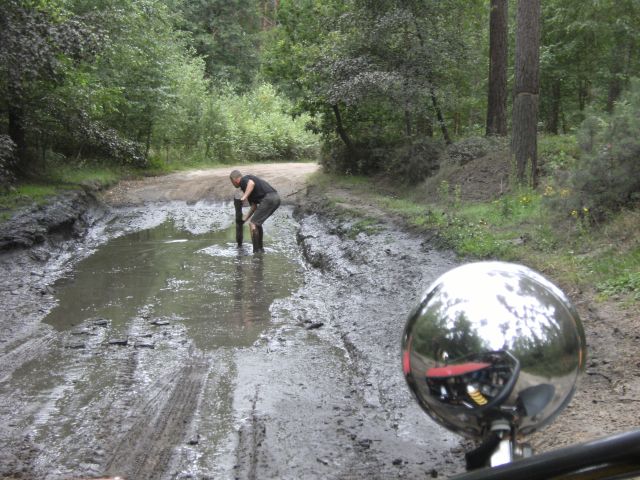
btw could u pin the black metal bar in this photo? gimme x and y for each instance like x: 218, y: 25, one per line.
x: 608, y: 456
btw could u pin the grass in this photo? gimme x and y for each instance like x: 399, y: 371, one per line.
x: 518, y: 227
x: 55, y: 179
x: 367, y: 226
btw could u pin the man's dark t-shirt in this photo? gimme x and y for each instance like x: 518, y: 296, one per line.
x: 260, y: 189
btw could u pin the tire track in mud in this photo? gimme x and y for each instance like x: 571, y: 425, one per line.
x: 146, y: 449
x: 22, y: 353
x: 250, y: 438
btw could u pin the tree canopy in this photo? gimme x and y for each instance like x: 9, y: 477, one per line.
x: 379, y: 85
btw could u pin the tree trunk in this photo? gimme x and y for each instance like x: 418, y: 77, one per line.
x: 498, y: 49
x: 342, y: 133
x: 620, y: 59
x: 527, y: 88
x: 554, y: 108
x: 407, y: 123
x: 441, y: 122
x: 434, y: 99
x: 424, y: 126
x: 18, y: 134
x: 583, y: 94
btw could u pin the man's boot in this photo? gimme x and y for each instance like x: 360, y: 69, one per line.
x: 260, y: 234
x: 255, y: 239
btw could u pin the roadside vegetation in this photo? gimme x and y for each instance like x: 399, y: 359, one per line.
x: 579, y: 225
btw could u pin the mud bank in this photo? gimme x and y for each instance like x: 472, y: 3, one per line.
x: 62, y: 217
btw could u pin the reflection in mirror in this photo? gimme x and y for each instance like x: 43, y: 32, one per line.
x: 493, y: 341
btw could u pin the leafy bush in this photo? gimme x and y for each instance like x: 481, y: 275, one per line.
x: 557, y: 153
x: 364, y: 159
x: 605, y: 179
x: 256, y: 127
x: 98, y: 140
x: 7, y: 160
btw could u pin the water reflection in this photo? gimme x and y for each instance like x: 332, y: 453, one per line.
x: 218, y: 292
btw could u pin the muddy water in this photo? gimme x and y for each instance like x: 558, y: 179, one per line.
x: 219, y: 292
x: 159, y: 350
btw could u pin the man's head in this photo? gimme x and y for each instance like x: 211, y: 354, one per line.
x: 235, y: 178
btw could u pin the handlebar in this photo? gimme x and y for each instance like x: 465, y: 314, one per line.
x: 616, y: 456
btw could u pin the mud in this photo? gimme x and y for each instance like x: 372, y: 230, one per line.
x: 317, y: 392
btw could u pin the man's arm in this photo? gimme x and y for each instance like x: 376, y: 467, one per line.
x: 250, y: 212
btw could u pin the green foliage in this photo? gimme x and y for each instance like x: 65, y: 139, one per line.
x: 7, y: 160
x: 382, y: 67
x: 229, y: 127
x: 627, y: 283
x: 605, y: 179
x: 557, y: 153
x: 225, y: 34
x: 586, y: 57
x: 255, y: 127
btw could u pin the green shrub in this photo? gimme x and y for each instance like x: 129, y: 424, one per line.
x: 557, y: 153
x: 605, y: 179
x: 256, y: 127
x: 7, y: 160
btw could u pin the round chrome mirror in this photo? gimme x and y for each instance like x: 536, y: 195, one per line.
x: 493, y: 342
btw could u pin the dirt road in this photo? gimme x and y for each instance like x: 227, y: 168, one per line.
x: 317, y: 394
x: 212, y: 184
x: 142, y: 393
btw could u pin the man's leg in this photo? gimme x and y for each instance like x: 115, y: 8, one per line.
x: 260, y: 233
x: 256, y: 237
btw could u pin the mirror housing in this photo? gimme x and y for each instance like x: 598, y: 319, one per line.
x: 493, y: 342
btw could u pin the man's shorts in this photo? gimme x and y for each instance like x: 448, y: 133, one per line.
x: 266, y: 207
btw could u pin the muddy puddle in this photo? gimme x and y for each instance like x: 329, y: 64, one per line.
x: 158, y: 349
x: 218, y: 292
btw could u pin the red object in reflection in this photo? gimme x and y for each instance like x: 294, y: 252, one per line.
x: 456, y: 370
x: 406, y: 362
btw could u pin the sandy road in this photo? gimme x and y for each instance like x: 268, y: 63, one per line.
x: 210, y: 184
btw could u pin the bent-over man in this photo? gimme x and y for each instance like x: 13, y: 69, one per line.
x: 263, y: 199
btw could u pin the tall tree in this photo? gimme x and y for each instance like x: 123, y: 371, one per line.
x: 498, y: 54
x: 527, y: 89
x: 589, y: 52
x: 226, y: 34
x: 35, y: 45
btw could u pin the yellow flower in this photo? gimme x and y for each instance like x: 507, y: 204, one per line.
x: 574, y: 213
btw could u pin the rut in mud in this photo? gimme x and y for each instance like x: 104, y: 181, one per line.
x: 154, y: 348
